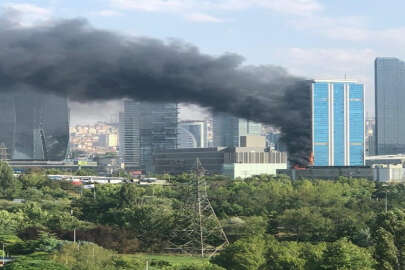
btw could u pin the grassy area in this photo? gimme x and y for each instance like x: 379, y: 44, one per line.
x: 156, y: 261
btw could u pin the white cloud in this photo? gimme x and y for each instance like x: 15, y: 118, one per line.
x: 201, y: 17
x: 333, y: 63
x: 348, y: 28
x: 151, y: 5
x: 28, y: 14
x: 29, y: 8
x: 297, y: 7
x: 108, y: 13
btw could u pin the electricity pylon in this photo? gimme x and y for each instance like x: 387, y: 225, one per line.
x: 198, y: 229
x: 3, y: 152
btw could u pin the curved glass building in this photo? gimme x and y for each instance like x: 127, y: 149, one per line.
x: 34, y: 126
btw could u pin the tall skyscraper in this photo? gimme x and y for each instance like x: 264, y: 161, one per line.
x: 192, y: 134
x: 389, y: 106
x: 338, y: 123
x: 228, y: 129
x: 145, y: 128
x: 34, y: 126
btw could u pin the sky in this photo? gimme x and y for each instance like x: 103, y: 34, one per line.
x: 333, y: 39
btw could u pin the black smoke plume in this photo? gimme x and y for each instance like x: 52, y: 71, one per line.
x: 71, y: 58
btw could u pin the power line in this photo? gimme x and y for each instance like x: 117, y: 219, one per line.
x: 198, y: 228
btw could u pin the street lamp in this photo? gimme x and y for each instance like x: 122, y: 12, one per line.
x: 386, y: 197
x: 74, y: 229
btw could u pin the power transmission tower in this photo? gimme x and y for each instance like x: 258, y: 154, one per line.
x: 198, y: 228
x: 3, y: 152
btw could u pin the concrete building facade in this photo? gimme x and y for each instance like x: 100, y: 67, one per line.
x: 231, y: 161
x: 338, y: 123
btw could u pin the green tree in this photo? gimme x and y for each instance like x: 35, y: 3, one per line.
x: 283, y: 256
x: 306, y: 224
x: 343, y: 255
x: 130, y: 195
x: 36, y: 215
x: 393, y: 223
x: 85, y: 172
x: 8, y: 183
x: 312, y: 254
x: 244, y: 254
x: 30, y: 263
x: 206, y: 266
x: 385, y: 250
x: 33, y: 180
x: 89, y: 256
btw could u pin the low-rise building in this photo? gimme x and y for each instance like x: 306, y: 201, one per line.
x: 382, y: 173
x: 23, y: 165
x: 235, y: 162
x: 178, y: 161
x: 385, y: 159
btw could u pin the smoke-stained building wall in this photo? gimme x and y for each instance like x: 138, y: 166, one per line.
x: 338, y: 123
x: 389, y: 106
x: 146, y: 128
x: 228, y: 129
x: 34, y: 126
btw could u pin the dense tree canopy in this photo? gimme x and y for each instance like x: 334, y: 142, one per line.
x: 271, y: 222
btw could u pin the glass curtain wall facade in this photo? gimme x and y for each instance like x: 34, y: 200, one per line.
x: 389, y: 106
x: 192, y: 134
x: 146, y: 128
x: 34, y: 126
x: 338, y: 123
x: 228, y: 129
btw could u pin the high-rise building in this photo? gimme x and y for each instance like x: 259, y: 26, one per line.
x: 145, y: 128
x: 389, y: 106
x: 192, y: 134
x: 370, y: 138
x: 228, y: 129
x: 34, y: 126
x: 338, y: 123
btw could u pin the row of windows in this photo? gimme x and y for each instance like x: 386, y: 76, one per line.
x: 321, y: 117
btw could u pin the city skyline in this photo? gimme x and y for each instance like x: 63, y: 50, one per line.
x: 348, y: 39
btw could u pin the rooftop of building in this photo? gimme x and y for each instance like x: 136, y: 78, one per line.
x: 337, y: 81
x: 380, y: 157
x: 248, y: 149
x: 194, y: 150
x: 386, y: 58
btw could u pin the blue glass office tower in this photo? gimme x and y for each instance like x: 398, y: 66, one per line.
x: 338, y: 123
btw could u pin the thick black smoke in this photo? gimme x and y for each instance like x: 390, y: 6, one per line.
x: 71, y: 58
